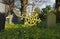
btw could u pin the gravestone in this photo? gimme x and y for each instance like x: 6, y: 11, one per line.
x: 3, y: 4
x: 51, y: 20
x: 9, y: 19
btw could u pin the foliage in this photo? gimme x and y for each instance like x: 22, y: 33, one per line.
x: 32, y: 20
x: 37, y: 10
x: 46, y: 9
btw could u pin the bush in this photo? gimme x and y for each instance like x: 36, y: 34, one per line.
x: 32, y: 20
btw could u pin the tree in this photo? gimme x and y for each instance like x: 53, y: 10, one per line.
x: 33, y: 6
x: 2, y: 15
x: 37, y: 10
x: 57, y: 10
x: 45, y: 11
x: 23, y: 6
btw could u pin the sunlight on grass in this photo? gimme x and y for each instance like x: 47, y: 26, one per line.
x: 10, y: 26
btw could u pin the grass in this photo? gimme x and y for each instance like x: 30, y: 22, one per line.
x: 35, y: 32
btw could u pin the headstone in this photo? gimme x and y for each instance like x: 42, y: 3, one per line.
x: 51, y: 20
x: 9, y: 19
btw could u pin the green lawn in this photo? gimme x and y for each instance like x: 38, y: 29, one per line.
x: 35, y: 32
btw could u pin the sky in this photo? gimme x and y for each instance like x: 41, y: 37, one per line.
x: 50, y: 2
x: 37, y: 4
x: 53, y: 1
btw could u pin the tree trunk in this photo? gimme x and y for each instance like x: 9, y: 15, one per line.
x: 2, y: 21
x: 58, y: 10
x: 23, y: 6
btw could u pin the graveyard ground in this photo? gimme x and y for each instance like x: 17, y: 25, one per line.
x: 35, y: 32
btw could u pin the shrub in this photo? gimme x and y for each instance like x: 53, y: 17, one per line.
x: 32, y: 20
